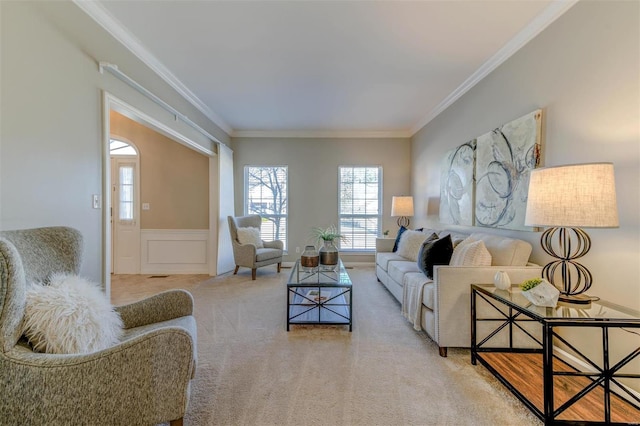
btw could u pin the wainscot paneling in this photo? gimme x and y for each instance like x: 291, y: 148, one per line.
x: 174, y: 251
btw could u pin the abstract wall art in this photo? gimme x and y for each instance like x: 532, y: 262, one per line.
x: 505, y: 157
x: 456, y: 185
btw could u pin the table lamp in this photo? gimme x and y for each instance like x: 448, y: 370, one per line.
x: 401, y: 207
x: 567, y: 199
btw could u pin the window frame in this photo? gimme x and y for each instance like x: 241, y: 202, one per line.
x: 246, y: 211
x: 378, y: 216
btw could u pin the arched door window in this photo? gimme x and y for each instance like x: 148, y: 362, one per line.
x: 118, y: 147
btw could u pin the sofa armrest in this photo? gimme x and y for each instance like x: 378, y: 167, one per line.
x: 452, y: 298
x: 160, y: 307
x: 244, y: 254
x: 384, y: 244
x: 276, y: 244
x: 161, y: 360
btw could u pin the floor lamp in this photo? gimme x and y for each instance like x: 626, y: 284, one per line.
x: 567, y: 199
x: 401, y: 207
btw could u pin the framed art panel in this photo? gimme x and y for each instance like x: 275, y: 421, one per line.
x: 456, y: 185
x: 504, y: 159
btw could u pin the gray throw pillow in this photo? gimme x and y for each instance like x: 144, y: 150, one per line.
x: 434, y: 252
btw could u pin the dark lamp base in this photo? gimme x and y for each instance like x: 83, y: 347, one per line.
x: 403, y: 221
x: 576, y: 299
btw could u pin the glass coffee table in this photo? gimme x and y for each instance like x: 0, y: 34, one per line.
x: 320, y: 295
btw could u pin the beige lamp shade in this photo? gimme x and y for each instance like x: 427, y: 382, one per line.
x: 402, y: 206
x: 577, y: 196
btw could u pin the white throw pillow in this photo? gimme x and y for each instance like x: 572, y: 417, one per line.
x: 69, y: 316
x: 410, y: 243
x: 471, y: 253
x: 250, y: 235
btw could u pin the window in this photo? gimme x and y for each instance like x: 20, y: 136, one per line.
x: 265, y: 190
x: 126, y: 183
x: 117, y: 147
x: 360, y: 207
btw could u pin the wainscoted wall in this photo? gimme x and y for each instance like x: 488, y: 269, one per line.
x: 175, y: 251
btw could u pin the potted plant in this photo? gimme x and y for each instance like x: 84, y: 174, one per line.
x: 540, y: 292
x: 328, y: 252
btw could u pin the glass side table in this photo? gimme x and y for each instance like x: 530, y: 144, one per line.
x: 568, y: 364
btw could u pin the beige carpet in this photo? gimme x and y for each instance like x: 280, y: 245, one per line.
x: 252, y: 371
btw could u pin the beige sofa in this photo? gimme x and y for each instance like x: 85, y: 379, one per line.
x: 441, y: 306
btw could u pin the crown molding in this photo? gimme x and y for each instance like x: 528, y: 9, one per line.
x: 114, y: 27
x: 535, y: 27
x: 302, y: 134
x: 99, y: 14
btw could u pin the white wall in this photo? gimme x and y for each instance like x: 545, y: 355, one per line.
x: 51, y: 112
x: 313, y: 178
x: 584, y: 71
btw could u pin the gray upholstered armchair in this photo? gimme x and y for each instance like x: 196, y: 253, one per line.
x: 143, y: 380
x: 247, y: 255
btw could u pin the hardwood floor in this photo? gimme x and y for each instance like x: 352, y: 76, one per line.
x: 523, y: 370
x: 130, y: 288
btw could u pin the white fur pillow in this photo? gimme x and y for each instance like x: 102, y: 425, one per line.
x: 69, y: 316
x: 410, y: 243
x: 250, y: 235
x: 471, y: 253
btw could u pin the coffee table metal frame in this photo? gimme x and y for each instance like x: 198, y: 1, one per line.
x: 337, y: 309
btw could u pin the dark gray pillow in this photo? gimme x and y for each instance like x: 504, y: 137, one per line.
x: 434, y: 252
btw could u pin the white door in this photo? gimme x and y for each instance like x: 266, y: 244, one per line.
x: 125, y: 221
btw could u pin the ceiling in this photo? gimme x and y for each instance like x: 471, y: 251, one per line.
x: 330, y: 67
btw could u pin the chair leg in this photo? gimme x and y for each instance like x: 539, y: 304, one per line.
x: 236, y: 270
x: 443, y: 351
x: 176, y: 422
x: 279, y: 266
x: 253, y: 274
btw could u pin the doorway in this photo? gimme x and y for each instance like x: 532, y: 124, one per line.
x: 130, y: 165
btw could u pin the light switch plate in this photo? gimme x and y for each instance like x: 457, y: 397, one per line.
x: 95, y: 199
x: 146, y: 206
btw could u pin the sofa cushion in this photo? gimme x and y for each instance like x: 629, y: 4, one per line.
x: 410, y: 244
x: 427, y: 295
x: 471, y: 253
x: 383, y: 259
x: 267, y: 253
x: 504, y: 251
x: 434, y: 251
x: 397, y: 269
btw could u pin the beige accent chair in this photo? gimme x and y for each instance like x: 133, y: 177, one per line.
x: 142, y: 380
x: 247, y: 255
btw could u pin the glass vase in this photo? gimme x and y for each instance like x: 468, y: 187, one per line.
x: 328, y: 254
x: 309, y: 259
